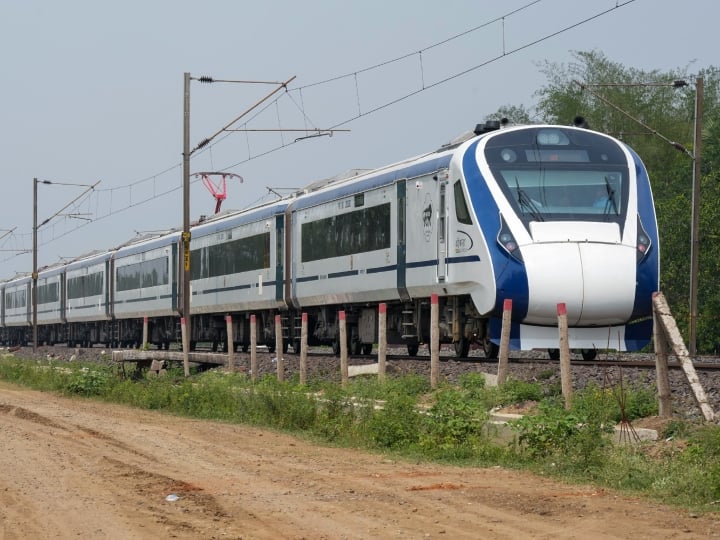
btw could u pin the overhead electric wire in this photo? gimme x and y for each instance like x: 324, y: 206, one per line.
x: 360, y: 114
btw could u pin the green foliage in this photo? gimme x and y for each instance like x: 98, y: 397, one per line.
x: 88, y: 382
x: 336, y: 415
x: 276, y: 405
x: 411, y: 385
x: 396, y: 425
x: 457, y: 418
x: 514, y: 391
x: 516, y: 114
x: 571, y: 440
x: 639, y: 402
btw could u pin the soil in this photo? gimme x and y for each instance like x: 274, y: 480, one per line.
x: 75, y: 468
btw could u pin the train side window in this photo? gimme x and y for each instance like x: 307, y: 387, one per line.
x: 461, y: 210
x: 355, y: 232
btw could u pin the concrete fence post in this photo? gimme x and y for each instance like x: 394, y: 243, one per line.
x: 343, y: 349
x: 504, y: 352
x: 382, y: 340
x: 253, y: 348
x: 185, y: 346
x: 279, y: 349
x: 434, y: 341
x: 303, y: 348
x: 565, y: 378
x: 230, y: 342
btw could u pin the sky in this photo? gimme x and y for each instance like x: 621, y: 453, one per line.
x: 93, y: 91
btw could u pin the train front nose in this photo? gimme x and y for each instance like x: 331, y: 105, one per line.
x: 596, y: 281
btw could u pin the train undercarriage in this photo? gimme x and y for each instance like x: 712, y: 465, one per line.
x: 407, y: 324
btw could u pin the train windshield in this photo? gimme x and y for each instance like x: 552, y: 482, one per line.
x: 560, y: 174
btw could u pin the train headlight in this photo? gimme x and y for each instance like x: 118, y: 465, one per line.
x: 552, y: 137
x: 507, y: 241
x: 643, y: 243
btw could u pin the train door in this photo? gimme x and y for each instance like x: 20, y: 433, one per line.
x: 174, y: 263
x: 279, y: 256
x: 402, y: 238
x: 62, y: 296
x: 442, y: 252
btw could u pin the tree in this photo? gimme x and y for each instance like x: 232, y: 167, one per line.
x: 515, y: 114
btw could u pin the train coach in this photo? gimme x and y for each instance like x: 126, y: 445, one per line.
x: 16, y: 310
x: 537, y: 214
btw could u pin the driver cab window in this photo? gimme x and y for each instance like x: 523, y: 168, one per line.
x: 461, y: 210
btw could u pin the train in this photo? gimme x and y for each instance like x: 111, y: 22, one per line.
x: 538, y: 214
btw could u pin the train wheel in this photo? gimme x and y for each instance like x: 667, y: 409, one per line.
x: 355, y: 348
x: 588, y: 354
x: 336, y: 347
x: 367, y: 348
x: 413, y: 348
x: 245, y: 347
x: 554, y: 354
x: 462, y: 348
x: 490, y: 349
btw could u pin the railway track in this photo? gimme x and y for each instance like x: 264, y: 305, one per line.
x: 626, y: 360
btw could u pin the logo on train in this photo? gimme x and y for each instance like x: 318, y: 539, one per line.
x: 427, y: 218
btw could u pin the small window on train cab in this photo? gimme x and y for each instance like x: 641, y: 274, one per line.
x: 461, y: 210
x: 359, y: 200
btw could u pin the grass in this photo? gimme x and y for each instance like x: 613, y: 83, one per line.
x: 404, y: 416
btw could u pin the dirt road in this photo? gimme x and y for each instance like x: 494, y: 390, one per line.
x: 80, y: 469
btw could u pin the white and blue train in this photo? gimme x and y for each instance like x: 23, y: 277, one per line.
x: 539, y: 214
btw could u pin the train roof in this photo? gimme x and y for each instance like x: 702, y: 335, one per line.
x: 19, y: 279
x: 411, y: 168
x: 356, y: 180
x: 147, y: 244
x: 52, y: 270
x: 91, y: 258
x: 241, y: 217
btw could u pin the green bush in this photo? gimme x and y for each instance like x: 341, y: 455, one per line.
x: 574, y: 440
x: 396, y: 424
x: 88, y: 382
x: 456, y: 419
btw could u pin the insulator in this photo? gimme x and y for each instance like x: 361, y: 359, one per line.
x: 205, y: 79
x: 202, y: 143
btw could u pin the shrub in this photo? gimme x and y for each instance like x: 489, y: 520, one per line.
x: 396, y: 424
x: 456, y: 419
x: 88, y: 382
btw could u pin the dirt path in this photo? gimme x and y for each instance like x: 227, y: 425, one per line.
x: 81, y: 469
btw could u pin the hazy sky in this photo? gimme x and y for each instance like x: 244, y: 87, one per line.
x: 93, y: 91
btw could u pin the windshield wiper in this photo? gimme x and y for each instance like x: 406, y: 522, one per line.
x: 610, y: 203
x: 525, y: 201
